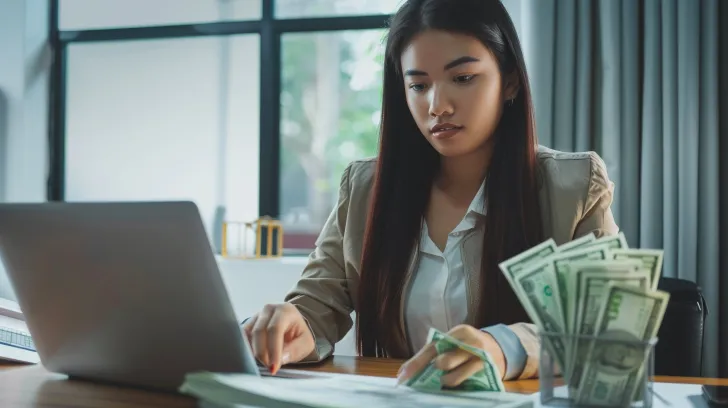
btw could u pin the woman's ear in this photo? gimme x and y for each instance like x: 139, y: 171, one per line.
x: 512, y: 85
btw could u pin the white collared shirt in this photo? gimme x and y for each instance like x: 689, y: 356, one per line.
x: 438, y: 296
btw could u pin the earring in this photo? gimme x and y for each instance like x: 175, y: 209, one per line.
x: 510, y: 102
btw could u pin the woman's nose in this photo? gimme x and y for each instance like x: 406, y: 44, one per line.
x: 440, y: 103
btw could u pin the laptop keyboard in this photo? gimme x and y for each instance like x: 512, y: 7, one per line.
x: 16, y: 338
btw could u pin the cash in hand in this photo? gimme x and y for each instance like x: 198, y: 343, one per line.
x: 429, y: 378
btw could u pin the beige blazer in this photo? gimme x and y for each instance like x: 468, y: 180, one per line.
x: 575, y: 194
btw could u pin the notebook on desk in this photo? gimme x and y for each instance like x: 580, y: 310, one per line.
x: 16, y: 344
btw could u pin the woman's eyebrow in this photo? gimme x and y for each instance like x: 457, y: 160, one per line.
x: 452, y: 64
x: 459, y: 61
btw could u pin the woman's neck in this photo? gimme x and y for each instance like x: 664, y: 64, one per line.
x: 464, y: 174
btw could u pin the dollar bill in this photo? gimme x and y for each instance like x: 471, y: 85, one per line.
x: 592, y: 280
x: 519, y: 262
x: 629, y: 317
x: 589, y: 279
x: 429, y: 378
x: 537, y: 283
x: 617, y: 241
x: 562, y: 266
x: 650, y: 260
x: 577, y: 243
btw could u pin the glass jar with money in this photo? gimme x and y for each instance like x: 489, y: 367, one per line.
x: 612, y: 368
x: 597, y: 308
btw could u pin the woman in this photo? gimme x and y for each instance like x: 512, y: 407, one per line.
x: 459, y: 185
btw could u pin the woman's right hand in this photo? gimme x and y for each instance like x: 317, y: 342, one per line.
x: 279, y: 335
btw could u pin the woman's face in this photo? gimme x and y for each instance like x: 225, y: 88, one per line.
x: 454, y: 90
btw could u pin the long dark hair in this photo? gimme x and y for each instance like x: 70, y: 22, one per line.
x: 407, y: 166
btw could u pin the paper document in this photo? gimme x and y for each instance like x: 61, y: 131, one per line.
x: 341, y: 391
x: 666, y: 395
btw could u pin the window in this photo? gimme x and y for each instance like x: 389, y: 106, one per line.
x: 327, y: 8
x: 168, y: 119
x: 174, y: 113
x: 93, y: 14
x: 330, y: 108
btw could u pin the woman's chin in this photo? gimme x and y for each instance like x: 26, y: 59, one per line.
x: 453, y: 150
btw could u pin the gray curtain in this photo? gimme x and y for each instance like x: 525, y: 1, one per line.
x: 723, y: 142
x: 639, y: 82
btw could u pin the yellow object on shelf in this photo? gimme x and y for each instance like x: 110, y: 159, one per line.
x: 268, y: 239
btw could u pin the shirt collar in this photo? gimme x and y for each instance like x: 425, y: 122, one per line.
x: 478, y: 203
x: 477, y: 206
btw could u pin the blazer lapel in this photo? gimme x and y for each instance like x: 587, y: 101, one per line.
x: 471, y: 249
x: 414, y: 260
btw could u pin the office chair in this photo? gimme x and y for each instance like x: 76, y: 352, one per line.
x: 679, y: 350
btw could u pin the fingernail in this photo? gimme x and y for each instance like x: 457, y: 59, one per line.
x: 400, y: 379
x: 286, y: 358
x: 401, y: 376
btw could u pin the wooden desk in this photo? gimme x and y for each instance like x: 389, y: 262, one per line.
x: 32, y: 386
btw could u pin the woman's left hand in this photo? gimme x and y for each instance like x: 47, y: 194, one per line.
x: 458, y: 364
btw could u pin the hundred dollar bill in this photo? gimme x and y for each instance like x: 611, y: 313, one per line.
x: 592, y: 280
x: 428, y: 379
x: 562, y: 267
x: 618, y: 241
x: 589, y: 280
x: 650, y: 260
x: 517, y: 263
x: 628, y: 318
x: 577, y: 243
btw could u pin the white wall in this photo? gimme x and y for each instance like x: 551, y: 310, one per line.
x: 24, y: 69
x: 253, y: 283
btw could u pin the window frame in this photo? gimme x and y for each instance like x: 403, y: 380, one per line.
x: 268, y: 27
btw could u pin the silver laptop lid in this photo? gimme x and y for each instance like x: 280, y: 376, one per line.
x: 127, y: 293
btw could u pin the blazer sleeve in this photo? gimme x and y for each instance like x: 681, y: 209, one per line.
x: 597, y: 214
x: 596, y: 217
x: 322, y: 293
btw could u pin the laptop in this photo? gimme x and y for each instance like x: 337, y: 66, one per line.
x: 16, y: 344
x: 122, y: 293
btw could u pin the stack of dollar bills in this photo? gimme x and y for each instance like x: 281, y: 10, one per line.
x: 596, y: 305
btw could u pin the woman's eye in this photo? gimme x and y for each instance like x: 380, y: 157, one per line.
x: 417, y: 87
x: 461, y: 79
